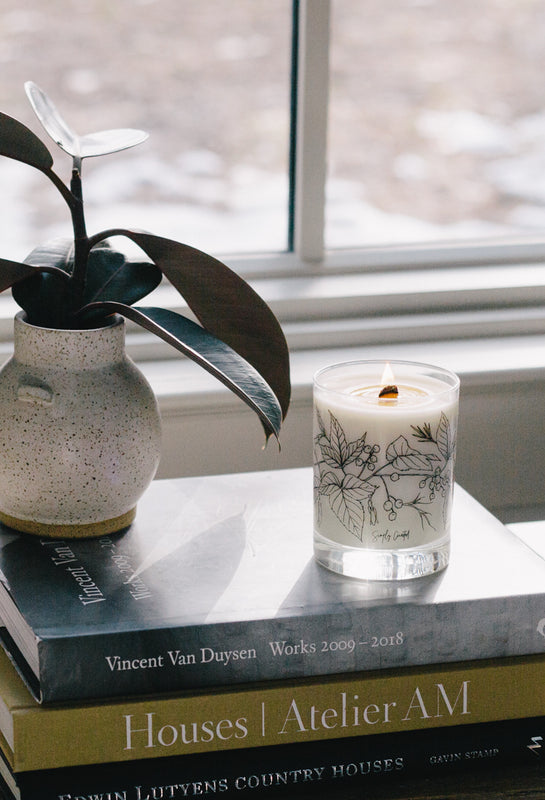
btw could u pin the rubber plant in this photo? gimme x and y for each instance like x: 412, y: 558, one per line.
x: 81, y: 281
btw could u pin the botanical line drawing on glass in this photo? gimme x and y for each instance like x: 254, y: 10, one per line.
x: 366, y: 485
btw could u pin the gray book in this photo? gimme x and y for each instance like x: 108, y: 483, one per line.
x: 215, y: 584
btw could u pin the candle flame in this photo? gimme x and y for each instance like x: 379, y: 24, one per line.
x: 389, y: 390
x: 387, y: 375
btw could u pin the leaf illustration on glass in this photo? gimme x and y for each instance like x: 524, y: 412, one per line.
x: 355, y: 449
x: 337, y: 451
x: 425, y: 516
x: 347, y: 496
x: 423, y: 432
x: 321, y: 426
x: 329, y: 483
x: 443, y: 437
x: 403, y: 457
x: 330, y: 455
x: 360, y: 504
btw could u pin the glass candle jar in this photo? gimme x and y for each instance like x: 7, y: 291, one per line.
x: 384, y: 451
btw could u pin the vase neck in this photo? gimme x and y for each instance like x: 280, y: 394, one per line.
x: 68, y: 349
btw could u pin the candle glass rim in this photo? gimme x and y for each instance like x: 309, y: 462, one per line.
x: 452, y: 385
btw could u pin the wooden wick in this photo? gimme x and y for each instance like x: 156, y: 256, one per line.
x: 389, y: 392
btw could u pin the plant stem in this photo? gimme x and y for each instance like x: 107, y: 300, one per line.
x: 81, y: 241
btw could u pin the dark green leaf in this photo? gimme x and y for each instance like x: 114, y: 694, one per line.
x: 57, y: 253
x: 18, y: 142
x: 111, y: 276
x: 43, y: 293
x: 37, y: 287
x: 209, y: 352
x: 225, y: 305
x: 44, y: 298
x: 13, y: 271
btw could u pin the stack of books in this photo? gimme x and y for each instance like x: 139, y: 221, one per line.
x: 203, y: 651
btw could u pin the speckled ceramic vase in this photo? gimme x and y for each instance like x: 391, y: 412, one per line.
x: 79, y: 432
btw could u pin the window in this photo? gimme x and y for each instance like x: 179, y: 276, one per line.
x: 210, y: 82
x: 368, y: 253
x: 437, y: 120
x: 392, y: 287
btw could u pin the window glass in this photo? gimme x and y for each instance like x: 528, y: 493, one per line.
x: 437, y: 120
x: 210, y: 82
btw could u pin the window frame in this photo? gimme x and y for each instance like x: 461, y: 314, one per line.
x: 443, y: 289
x: 358, y: 296
x: 433, y: 290
x: 312, y: 96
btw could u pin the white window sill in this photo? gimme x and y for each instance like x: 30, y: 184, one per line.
x: 180, y: 384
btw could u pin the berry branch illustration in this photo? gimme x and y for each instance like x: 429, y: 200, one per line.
x: 363, y: 486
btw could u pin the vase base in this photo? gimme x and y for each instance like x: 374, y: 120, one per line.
x: 71, y: 531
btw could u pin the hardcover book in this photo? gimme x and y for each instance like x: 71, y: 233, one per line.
x: 41, y: 736
x: 216, y: 584
x: 313, y: 768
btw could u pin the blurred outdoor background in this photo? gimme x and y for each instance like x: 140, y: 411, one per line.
x: 437, y: 118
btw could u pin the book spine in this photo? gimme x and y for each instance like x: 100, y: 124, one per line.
x: 222, y: 654
x: 281, y: 713
x: 354, y: 762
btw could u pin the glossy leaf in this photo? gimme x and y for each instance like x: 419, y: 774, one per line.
x: 104, y: 142
x: 112, y: 276
x: 51, y: 119
x: 215, y: 356
x: 91, y: 144
x: 57, y: 253
x: 43, y: 296
x: 38, y: 272
x: 18, y: 142
x: 13, y: 271
x: 224, y: 303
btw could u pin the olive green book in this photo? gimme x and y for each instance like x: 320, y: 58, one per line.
x: 260, y: 714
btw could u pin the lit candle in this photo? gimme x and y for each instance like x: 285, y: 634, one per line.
x: 384, y: 449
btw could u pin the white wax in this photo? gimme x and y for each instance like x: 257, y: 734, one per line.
x: 384, y: 466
